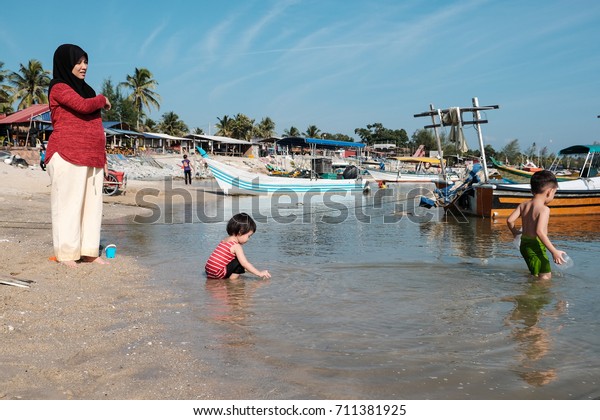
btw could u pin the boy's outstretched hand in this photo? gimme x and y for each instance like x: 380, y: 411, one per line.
x: 559, y: 256
x: 265, y: 274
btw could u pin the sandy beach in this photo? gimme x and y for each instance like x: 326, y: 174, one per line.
x: 92, y: 332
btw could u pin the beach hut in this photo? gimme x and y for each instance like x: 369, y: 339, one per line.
x: 219, y: 145
x: 121, y: 138
x: 26, y: 127
x: 166, y: 142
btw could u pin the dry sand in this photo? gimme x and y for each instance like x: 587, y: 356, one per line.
x: 92, y: 332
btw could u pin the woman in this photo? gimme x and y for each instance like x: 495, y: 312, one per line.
x: 76, y: 157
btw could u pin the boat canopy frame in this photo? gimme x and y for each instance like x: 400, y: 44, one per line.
x: 592, y: 158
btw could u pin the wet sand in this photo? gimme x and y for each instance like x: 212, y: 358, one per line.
x: 90, y: 332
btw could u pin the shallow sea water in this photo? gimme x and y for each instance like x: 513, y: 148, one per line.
x: 374, y: 298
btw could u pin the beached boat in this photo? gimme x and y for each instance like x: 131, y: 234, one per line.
x: 524, y: 174
x: 418, y: 173
x: 236, y: 181
x: 580, y: 196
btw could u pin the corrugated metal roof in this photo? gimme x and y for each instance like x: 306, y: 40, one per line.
x: 112, y: 125
x: 165, y: 136
x: 128, y: 132
x: 25, y: 115
x: 220, y: 139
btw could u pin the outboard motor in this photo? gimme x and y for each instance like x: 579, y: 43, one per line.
x: 351, y: 172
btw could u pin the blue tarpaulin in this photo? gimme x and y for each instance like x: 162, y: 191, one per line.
x: 302, y: 141
x: 334, y: 143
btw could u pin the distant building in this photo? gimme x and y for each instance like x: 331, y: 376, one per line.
x: 27, y: 127
x: 219, y: 145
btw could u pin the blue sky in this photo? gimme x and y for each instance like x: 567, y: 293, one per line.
x: 341, y: 64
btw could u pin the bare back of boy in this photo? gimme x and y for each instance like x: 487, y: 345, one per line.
x: 534, y: 218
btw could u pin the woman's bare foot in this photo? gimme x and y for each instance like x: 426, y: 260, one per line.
x: 70, y: 264
x: 96, y: 260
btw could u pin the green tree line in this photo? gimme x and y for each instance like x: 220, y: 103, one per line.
x: 137, y: 95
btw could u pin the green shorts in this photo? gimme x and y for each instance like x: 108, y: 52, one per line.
x: 534, y: 253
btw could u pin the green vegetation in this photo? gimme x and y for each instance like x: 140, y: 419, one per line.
x: 5, y: 100
x: 30, y: 86
x: 142, y: 87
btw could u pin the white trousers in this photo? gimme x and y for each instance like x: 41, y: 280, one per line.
x: 76, y: 202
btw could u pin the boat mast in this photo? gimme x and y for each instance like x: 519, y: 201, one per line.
x: 476, y: 122
x: 476, y: 116
x: 432, y: 113
x: 437, y: 139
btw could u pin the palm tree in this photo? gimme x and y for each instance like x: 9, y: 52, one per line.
x: 172, y: 125
x: 5, y: 102
x: 291, y: 132
x: 225, y: 126
x: 313, y: 132
x: 142, y: 95
x: 123, y: 109
x: 243, y: 127
x: 265, y: 128
x: 512, y: 151
x: 149, y: 125
x: 199, y: 131
x: 30, y: 86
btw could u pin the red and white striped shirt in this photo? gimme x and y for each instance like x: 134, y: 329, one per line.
x: 216, y: 266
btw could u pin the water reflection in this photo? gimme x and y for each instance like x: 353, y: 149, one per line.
x: 532, y: 334
x: 230, y: 299
x: 469, y: 238
x: 375, y: 308
x: 582, y: 228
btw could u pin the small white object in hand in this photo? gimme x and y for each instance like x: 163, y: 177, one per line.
x: 517, y: 241
x: 568, y: 263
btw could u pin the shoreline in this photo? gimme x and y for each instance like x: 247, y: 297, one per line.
x: 93, y: 332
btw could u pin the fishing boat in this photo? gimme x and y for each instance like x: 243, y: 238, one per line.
x: 478, y: 195
x: 418, y: 173
x: 236, y: 181
x: 524, y: 174
x: 574, y: 197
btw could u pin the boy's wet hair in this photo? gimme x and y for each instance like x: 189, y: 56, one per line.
x: 240, y: 224
x: 185, y: 156
x: 542, y: 180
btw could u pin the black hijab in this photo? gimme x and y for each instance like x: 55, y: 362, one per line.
x: 65, y: 58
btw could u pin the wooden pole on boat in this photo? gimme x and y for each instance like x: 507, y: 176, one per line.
x: 437, y: 138
x: 28, y: 131
x: 480, y: 136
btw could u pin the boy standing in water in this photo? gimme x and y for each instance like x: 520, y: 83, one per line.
x: 534, y: 215
x: 228, y: 260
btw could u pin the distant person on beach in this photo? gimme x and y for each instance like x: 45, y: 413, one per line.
x: 43, y: 157
x: 228, y: 260
x: 535, y: 215
x: 187, y: 169
x: 76, y: 157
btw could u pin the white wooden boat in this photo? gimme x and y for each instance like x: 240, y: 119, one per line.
x: 236, y: 181
x: 417, y: 174
x: 477, y: 195
x: 398, y: 176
